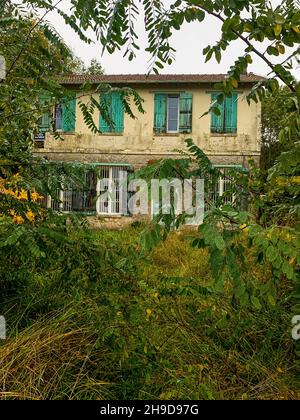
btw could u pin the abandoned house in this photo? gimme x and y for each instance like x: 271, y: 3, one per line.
x: 173, y: 107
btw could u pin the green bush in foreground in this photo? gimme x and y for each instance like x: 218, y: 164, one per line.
x: 85, y: 323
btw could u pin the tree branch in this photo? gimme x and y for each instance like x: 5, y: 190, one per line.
x: 28, y: 37
x: 246, y: 41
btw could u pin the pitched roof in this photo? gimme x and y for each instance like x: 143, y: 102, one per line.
x: 153, y: 78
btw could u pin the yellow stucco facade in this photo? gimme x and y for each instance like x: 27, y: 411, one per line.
x: 138, y: 144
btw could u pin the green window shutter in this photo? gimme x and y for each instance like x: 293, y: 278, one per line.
x: 217, y: 121
x: 44, y: 123
x: 186, y: 104
x: 116, y: 113
x: 231, y: 114
x: 104, y: 126
x: 68, y: 114
x: 160, y: 113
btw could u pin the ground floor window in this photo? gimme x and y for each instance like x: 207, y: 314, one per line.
x: 104, y: 192
x: 223, y: 188
x: 112, y: 191
x: 226, y: 188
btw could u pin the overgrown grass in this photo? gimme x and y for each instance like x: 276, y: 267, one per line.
x: 51, y: 359
x: 99, y: 320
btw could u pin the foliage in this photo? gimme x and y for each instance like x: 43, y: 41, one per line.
x: 127, y: 327
x: 34, y: 54
x: 269, y: 232
x: 50, y: 360
x: 275, y: 114
x: 94, y: 68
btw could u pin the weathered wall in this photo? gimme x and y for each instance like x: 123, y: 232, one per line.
x: 138, y: 144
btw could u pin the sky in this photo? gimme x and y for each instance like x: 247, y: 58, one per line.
x: 189, y: 42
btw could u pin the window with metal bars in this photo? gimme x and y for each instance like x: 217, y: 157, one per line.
x: 77, y: 199
x: 224, y: 187
x: 112, y: 191
x: 106, y: 198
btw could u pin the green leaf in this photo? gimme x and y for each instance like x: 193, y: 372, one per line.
x: 272, y: 253
x: 288, y: 270
x: 219, y: 242
x: 256, y: 303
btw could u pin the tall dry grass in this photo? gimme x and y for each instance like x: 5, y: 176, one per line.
x: 51, y: 360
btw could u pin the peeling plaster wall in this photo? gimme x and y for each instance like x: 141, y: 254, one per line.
x: 138, y: 144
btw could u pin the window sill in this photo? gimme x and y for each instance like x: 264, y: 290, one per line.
x: 111, y: 134
x: 167, y: 134
x: 63, y: 133
x: 110, y: 216
x: 223, y: 134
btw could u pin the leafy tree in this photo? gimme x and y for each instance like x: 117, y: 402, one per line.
x: 79, y: 67
x: 35, y: 54
x: 33, y: 51
x: 94, y: 68
x: 275, y: 113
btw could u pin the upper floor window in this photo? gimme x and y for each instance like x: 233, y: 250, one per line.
x: 58, y: 117
x: 45, y: 120
x: 226, y: 121
x: 115, y: 110
x: 63, y: 115
x: 173, y: 113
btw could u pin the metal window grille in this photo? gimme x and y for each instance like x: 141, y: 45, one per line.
x: 77, y: 200
x: 223, y: 187
x: 113, y: 196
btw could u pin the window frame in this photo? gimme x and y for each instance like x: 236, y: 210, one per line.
x: 177, y: 96
x: 60, y: 130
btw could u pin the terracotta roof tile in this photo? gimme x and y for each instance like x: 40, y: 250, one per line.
x: 162, y: 78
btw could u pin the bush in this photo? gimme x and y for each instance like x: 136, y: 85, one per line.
x: 98, y: 319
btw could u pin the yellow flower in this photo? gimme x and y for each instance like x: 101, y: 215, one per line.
x: 23, y: 195
x: 18, y: 220
x: 35, y: 196
x: 149, y: 312
x: 9, y: 191
x: 30, y: 216
x: 295, y: 179
x: 244, y: 228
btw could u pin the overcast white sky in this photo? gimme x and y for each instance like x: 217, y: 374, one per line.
x: 189, y: 43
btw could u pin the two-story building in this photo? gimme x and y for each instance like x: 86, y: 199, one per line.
x: 173, y: 107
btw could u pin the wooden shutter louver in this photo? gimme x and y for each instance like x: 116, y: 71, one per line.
x: 45, y: 120
x: 185, y: 119
x: 68, y: 114
x: 160, y: 113
x: 115, y: 110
